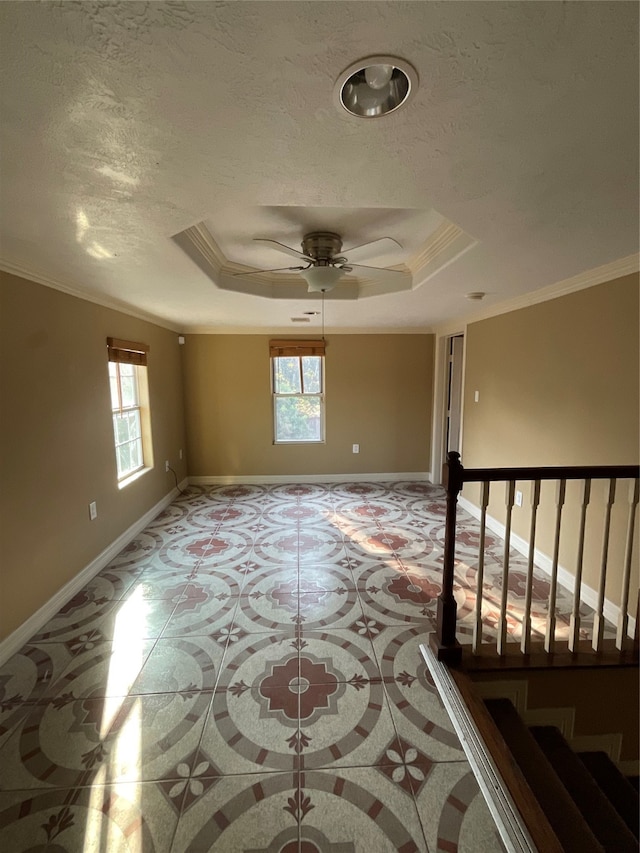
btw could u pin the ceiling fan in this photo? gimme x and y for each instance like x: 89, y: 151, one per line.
x: 325, y: 263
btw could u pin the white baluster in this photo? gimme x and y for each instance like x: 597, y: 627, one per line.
x: 550, y: 636
x: 598, y: 618
x: 477, y: 628
x: 623, y: 618
x: 502, y: 624
x: 525, y: 641
x: 574, y: 625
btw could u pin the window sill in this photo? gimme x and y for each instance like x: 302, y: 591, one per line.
x: 122, y: 484
x: 286, y: 443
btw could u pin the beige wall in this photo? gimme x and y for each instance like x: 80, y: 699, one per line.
x: 56, y: 438
x: 378, y: 395
x: 558, y: 384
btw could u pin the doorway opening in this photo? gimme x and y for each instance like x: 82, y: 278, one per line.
x: 453, y: 410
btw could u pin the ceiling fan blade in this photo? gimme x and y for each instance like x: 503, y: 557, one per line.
x: 278, y: 269
x: 376, y: 272
x: 375, y: 247
x: 287, y: 250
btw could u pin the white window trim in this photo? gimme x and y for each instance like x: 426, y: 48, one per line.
x: 122, y: 410
x: 275, y: 396
x: 131, y: 478
x: 120, y: 352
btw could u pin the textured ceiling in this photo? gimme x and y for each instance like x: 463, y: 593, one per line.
x: 126, y: 123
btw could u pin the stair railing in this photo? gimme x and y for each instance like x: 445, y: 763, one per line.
x: 445, y: 642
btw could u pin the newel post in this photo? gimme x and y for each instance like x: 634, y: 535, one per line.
x: 447, y: 648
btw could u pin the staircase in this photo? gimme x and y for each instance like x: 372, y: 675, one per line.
x: 589, y: 804
x: 546, y: 794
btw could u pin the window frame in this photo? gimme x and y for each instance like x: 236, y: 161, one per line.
x: 298, y: 350
x: 135, y: 356
x: 119, y: 411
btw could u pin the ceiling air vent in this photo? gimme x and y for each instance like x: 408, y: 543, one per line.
x: 300, y: 320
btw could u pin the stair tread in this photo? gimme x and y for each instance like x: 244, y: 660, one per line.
x: 568, y: 823
x: 605, y: 822
x: 617, y: 788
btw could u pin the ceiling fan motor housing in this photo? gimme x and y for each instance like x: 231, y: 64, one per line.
x: 322, y: 246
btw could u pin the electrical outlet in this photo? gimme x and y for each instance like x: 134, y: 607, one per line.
x: 93, y: 511
x: 518, y: 498
x: 166, y: 465
x: 356, y: 448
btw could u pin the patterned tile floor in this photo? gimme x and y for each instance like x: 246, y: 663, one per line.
x: 245, y: 676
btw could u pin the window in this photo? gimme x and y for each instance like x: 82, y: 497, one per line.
x: 129, y: 405
x: 298, y: 390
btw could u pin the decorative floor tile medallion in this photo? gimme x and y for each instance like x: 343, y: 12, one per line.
x: 245, y: 677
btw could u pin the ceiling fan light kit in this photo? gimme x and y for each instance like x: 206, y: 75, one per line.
x: 375, y: 86
x: 321, y: 279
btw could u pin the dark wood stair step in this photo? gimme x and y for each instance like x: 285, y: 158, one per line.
x: 617, y: 788
x: 563, y: 814
x: 604, y: 821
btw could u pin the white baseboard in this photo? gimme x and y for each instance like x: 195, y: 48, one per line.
x: 17, y: 639
x: 269, y: 479
x: 543, y: 561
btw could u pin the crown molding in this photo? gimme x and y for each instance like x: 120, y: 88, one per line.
x: 590, y: 278
x: 445, y: 235
x: 203, y: 240
x: 198, y: 244
x: 443, y: 247
x: 78, y: 293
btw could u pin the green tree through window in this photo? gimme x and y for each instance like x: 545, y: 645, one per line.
x: 298, y: 398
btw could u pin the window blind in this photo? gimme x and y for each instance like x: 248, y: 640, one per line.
x: 127, y: 352
x: 279, y: 348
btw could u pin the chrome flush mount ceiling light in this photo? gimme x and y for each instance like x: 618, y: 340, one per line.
x: 375, y: 86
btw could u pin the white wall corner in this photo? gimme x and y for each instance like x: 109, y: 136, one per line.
x: 17, y: 639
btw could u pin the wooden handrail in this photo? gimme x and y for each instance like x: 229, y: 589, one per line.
x: 572, y: 472
x: 454, y: 476
x: 523, y: 797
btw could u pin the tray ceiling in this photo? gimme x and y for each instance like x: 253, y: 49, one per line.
x: 127, y: 123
